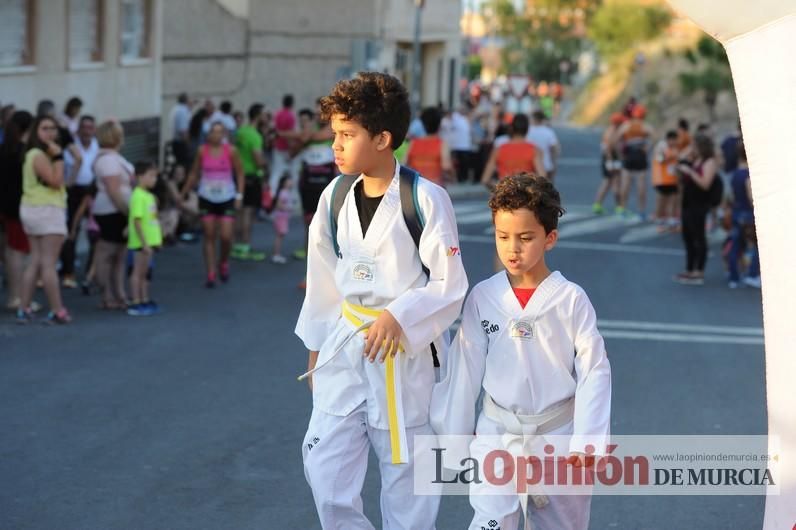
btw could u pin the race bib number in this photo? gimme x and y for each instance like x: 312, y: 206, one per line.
x: 217, y: 191
x: 318, y: 155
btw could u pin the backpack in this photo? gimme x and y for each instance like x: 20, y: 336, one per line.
x: 715, y: 191
x: 413, y: 215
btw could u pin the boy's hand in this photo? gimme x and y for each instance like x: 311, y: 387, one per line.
x: 146, y: 249
x: 385, y: 335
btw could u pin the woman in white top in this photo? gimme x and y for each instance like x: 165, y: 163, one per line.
x: 114, y: 186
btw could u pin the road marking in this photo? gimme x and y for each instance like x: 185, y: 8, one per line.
x: 680, y: 337
x: 692, y: 328
x: 588, y: 245
x: 464, y: 208
x: 580, y: 161
x: 641, y: 233
x: 475, y: 218
x: 594, y: 225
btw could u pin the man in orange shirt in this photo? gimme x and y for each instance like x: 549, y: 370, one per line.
x: 664, y: 178
x: 515, y: 156
x: 632, y: 138
x: 430, y: 155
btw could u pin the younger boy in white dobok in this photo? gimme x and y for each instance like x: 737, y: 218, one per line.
x: 530, y: 338
x: 366, y: 264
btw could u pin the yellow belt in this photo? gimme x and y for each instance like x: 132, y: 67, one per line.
x: 358, y: 315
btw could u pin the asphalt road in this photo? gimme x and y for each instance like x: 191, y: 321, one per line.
x: 193, y: 419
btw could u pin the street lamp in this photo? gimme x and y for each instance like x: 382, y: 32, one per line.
x: 416, y: 59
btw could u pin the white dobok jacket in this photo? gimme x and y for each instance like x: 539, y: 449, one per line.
x: 528, y: 360
x: 381, y: 271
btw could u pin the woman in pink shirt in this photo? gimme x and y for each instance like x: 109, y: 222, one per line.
x: 220, y: 197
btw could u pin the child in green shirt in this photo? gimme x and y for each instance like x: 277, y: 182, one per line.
x: 144, y: 237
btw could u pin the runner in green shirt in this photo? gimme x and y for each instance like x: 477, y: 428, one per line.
x: 249, y: 143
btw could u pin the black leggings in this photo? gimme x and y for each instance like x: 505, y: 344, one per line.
x: 74, y: 196
x: 696, y: 243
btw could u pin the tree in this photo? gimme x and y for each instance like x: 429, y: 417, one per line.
x: 618, y: 27
x: 474, y: 65
x: 539, y: 38
x: 713, y: 75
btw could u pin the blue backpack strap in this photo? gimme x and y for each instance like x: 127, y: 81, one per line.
x: 339, y: 192
x: 415, y: 221
x: 410, y: 206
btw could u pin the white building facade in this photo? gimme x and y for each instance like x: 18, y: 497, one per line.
x: 106, y: 52
x: 259, y: 50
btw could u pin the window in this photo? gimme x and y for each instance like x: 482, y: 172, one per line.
x: 16, y: 33
x: 135, y: 29
x: 85, y: 31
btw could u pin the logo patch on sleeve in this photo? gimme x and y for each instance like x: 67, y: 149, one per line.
x: 454, y: 251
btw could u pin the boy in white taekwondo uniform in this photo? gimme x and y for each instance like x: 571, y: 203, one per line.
x: 373, y: 388
x: 530, y: 337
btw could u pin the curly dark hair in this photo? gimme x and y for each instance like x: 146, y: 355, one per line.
x: 376, y: 101
x: 531, y: 191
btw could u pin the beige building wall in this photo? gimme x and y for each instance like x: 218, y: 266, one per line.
x: 110, y: 89
x: 248, y: 51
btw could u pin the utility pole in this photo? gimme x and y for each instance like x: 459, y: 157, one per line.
x: 416, y: 59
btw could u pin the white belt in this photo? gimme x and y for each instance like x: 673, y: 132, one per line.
x: 521, y: 429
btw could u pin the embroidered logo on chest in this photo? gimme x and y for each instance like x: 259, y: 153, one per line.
x: 362, y: 272
x: 521, y: 329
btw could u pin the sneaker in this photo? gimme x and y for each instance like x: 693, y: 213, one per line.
x: 278, y: 259
x: 59, y: 317
x: 732, y: 285
x: 300, y: 254
x: 153, y: 307
x: 24, y: 316
x: 240, y: 251
x: 688, y: 279
x: 69, y: 282
x: 34, y: 306
x: 619, y: 211
x: 255, y: 255
x: 753, y: 282
x: 223, y: 272
x: 140, y: 310
x: 597, y: 208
